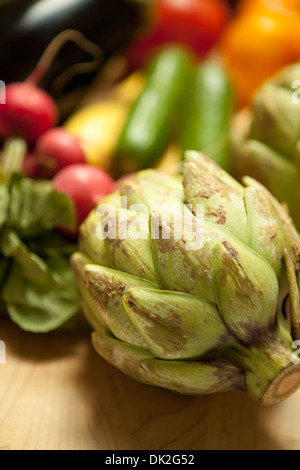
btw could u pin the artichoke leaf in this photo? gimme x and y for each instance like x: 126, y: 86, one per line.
x: 284, y: 220
x: 129, y: 249
x: 175, y: 325
x: 191, y: 378
x: 183, y: 264
x: 256, y: 160
x: 124, y: 356
x: 107, y: 287
x: 89, y: 306
x: 223, y: 198
x: 152, y: 188
x: 247, y: 291
x: 276, y: 119
x: 194, y: 378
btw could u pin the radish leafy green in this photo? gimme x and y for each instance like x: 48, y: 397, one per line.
x: 36, y: 282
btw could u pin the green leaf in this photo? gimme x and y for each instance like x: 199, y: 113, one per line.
x: 36, y: 281
x: 41, y: 306
x: 4, y: 267
x: 4, y: 204
x: 32, y: 266
x: 52, y: 244
x: 35, y: 207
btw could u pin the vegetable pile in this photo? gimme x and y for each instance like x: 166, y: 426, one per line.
x: 27, y: 27
x: 201, y: 92
x: 39, y: 219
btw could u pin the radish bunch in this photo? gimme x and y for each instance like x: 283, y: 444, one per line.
x: 32, y: 114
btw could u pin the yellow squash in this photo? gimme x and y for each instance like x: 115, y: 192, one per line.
x: 98, y: 126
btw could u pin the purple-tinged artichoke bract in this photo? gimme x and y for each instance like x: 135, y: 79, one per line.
x: 198, y: 299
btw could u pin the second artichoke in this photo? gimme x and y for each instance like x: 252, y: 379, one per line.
x: 266, y: 139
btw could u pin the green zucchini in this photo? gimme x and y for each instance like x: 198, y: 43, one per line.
x: 151, y: 121
x: 209, y: 110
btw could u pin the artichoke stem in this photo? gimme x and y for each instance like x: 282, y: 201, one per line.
x: 285, y: 384
x: 271, y: 369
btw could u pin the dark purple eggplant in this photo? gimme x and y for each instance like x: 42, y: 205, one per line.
x: 28, y: 26
x: 233, y: 3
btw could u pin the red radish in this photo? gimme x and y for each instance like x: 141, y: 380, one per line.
x: 28, y: 112
x: 56, y: 150
x: 30, y: 167
x: 86, y: 185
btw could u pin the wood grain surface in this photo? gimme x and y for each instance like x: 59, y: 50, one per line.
x: 56, y: 393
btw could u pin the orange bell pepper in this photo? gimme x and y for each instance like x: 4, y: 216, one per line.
x: 261, y: 39
x: 279, y: 5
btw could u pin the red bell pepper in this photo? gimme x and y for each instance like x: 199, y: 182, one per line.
x: 194, y: 23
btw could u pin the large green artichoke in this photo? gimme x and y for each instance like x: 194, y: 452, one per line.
x: 266, y: 139
x: 194, y: 319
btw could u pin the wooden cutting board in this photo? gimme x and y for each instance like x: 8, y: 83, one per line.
x: 56, y: 393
